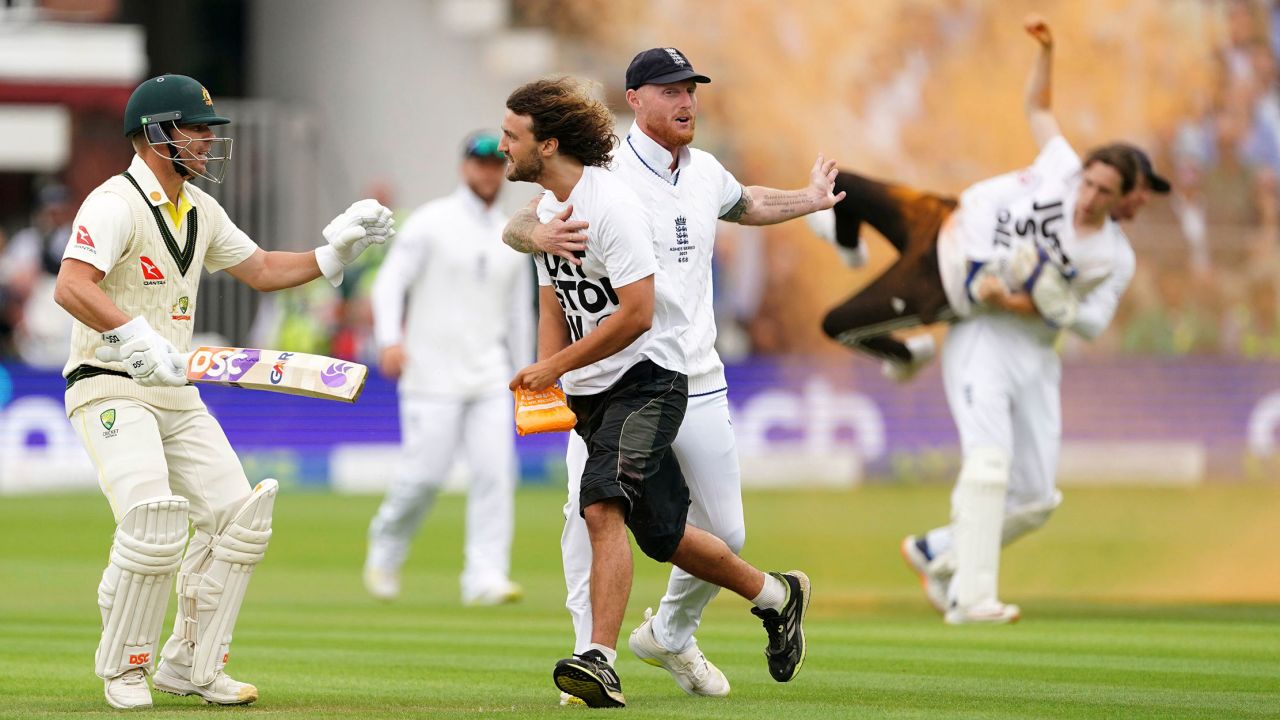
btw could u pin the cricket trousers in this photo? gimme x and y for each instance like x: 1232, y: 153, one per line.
x: 708, y: 457
x: 433, y: 431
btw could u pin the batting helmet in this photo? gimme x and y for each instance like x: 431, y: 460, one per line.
x: 160, y: 107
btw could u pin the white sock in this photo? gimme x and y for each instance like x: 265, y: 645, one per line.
x: 610, y: 655
x: 773, y: 595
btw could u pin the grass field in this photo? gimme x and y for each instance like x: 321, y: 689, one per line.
x: 1137, y: 603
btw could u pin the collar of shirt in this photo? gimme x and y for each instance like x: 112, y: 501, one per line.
x: 155, y: 194
x: 654, y: 156
x: 476, y: 206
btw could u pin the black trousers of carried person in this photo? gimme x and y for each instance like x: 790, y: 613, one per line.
x: 910, y: 293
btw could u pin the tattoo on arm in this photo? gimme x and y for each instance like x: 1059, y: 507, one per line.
x: 518, y: 234
x: 796, y: 202
x: 735, y: 213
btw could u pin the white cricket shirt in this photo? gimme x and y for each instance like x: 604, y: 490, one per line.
x: 457, y: 298
x: 684, y: 206
x: 1037, y: 204
x: 620, y: 251
x: 152, y: 269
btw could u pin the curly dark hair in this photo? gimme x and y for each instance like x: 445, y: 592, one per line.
x: 562, y: 108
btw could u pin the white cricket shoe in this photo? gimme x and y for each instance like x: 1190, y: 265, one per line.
x: 176, y: 680
x: 502, y: 593
x: 128, y: 690
x: 990, y: 612
x: 382, y: 584
x: 823, y: 224
x: 935, y: 584
x: 693, y: 672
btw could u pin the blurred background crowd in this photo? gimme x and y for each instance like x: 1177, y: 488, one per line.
x: 926, y: 92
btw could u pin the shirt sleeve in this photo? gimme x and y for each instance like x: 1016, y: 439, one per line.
x: 521, y: 332
x: 730, y: 189
x: 101, y: 232
x: 402, y: 264
x: 1099, y: 306
x: 229, y: 245
x: 1056, y: 160
x: 626, y: 241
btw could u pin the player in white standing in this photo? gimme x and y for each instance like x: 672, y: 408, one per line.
x: 1036, y: 253
x: 684, y: 191
x: 467, y: 328
x: 611, y: 327
x: 129, y: 276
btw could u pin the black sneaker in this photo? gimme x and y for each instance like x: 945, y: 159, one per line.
x: 785, y: 651
x: 590, y: 677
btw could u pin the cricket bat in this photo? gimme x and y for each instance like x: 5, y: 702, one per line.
x: 284, y: 372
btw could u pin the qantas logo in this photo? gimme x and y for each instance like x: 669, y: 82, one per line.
x: 82, y: 238
x: 151, y: 274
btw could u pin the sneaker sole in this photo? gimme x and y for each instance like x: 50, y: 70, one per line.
x: 207, y: 701
x: 585, y: 686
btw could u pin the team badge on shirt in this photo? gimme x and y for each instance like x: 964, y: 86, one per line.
x: 151, y: 274
x: 180, y: 308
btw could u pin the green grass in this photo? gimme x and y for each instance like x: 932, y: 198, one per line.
x: 1138, y: 603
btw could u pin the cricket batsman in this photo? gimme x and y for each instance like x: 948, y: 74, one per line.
x: 130, y: 277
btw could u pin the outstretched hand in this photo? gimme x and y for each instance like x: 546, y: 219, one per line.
x: 822, y: 181
x: 1038, y: 28
x: 562, y: 237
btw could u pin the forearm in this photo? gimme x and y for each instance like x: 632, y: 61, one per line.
x: 87, y: 303
x: 1039, y: 90
x: 1017, y: 303
x: 279, y: 270
x: 767, y: 206
x: 553, y: 331
x: 518, y: 234
x: 621, y: 330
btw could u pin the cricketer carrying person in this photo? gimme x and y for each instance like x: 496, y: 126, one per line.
x: 130, y: 277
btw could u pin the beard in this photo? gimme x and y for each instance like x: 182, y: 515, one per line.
x: 668, y: 135
x: 524, y: 169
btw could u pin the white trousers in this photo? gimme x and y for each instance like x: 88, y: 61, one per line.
x: 708, y: 458
x: 143, y: 452
x: 433, y: 430
x: 1002, y: 385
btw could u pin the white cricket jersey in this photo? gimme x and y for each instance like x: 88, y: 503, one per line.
x: 620, y: 251
x: 1036, y: 204
x: 152, y: 269
x: 684, y: 206
x: 467, y: 324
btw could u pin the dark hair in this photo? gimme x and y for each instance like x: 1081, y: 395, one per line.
x: 1120, y: 157
x: 561, y: 108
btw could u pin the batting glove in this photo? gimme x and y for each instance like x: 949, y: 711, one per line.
x: 363, y: 224
x: 150, y: 360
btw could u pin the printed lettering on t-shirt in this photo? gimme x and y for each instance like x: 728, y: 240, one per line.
x: 586, y: 302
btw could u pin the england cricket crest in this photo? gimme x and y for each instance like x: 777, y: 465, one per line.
x: 682, y: 231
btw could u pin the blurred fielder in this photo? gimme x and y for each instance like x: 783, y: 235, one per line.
x: 467, y: 327
x: 683, y: 191
x: 1018, y: 259
x: 130, y: 276
x: 611, y: 327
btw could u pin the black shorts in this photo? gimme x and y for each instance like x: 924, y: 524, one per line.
x: 628, y: 430
x: 910, y: 293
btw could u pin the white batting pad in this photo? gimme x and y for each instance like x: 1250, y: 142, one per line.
x: 1028, y: 517
x: 211, y: 588
x: 134, y: 592
x: 977, y: 515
